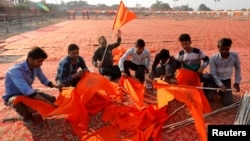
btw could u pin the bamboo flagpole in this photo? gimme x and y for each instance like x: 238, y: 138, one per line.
x: 208, y: 88
x: 105, y: 50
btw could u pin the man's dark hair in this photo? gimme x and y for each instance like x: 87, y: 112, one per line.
x: 140, y: 43
x: 164, y: 54
x: 37, y: 53
x: 185, y: 37
x: 99, y: 39
x: 224, y: 42
x: 73, y: 47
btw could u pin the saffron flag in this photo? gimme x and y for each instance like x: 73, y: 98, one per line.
x: 123, y: 16
x: 191, y: 78
x: 134, y: 88
x: 191, y: 97
x: 117, y: 54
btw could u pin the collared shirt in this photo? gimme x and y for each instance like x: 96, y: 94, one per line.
x: 19, y: 79
x: 108, y: 58
x: 138, y: 59
x: 222, y: 69
x: 65, y: 69
x: 192, y: 60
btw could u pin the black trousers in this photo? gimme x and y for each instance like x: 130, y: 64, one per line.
x: 23, y: 110
x: 226, y: 96
x: 113, y: 71
x: 139, y: 70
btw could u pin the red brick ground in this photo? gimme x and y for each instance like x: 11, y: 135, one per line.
x: 158, y: 34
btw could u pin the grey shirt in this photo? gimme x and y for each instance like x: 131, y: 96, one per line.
x: 222, y: 69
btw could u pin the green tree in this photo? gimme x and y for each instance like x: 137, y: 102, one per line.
x: 203, y: 7
x: 183, y: 8
x: 160, y: 6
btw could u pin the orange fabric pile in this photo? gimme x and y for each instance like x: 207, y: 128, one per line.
x: 94, y: 93
x: 117, y: 54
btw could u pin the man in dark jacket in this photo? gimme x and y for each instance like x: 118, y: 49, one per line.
x: 103, y: 58
x: 167, y: 68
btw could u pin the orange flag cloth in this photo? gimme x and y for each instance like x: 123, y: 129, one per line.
x: 107, y: 133
x: 98, y: 102
x: 191, y: 97
x: 70, y: 104
x: 134, y: 88
x: 117, y: 54
x: 163, y: 98
x: 41, y: 107
x: 191, y: 78
x: 123, y: 16
x: 132, y: 119
x: 92, y: 93
x: 90, y: 83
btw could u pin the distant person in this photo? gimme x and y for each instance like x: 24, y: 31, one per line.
x: 68, y: 73
x: 103, y: 58
x: 221, y: 67
x: 194, y: 59
x: 164, y: 67
x: 19, y: 79
x: 139, y: 62
x: 87, y: 13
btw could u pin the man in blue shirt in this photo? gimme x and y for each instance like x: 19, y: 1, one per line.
x: 19, y: 80
x: 67, y: 71
x: 221, y: 67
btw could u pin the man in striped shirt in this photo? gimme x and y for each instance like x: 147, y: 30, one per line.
x: 221, y: 67
x: 194, y: 59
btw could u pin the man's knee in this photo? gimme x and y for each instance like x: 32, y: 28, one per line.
x: 48, y: 97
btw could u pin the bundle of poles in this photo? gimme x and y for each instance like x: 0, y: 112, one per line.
x: 243, y: 112
x: 189, y: 121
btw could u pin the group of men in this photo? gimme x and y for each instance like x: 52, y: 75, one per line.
x: 19, y: 78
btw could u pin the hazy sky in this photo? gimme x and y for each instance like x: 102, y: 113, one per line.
x: 222, y: 4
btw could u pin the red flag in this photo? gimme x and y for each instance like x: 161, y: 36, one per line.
x: 123, y: 16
